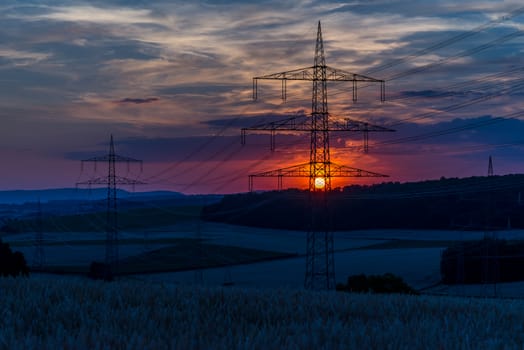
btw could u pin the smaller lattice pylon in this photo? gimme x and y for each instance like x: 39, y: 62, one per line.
x: 490, y: 167
x: 112, y: 180
x: 39, y: 255
x: 303, y: 170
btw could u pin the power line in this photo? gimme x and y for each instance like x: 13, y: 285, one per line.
x: 450, y: 41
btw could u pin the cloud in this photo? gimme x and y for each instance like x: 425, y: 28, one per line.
x: 138, y: 100
x: 22, y: 58
x: 91, y: 14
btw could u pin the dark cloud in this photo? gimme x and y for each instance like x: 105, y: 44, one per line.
x: 138, y: 100
x: 197, y: 89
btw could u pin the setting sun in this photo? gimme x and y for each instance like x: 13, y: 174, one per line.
x: 320, y: 183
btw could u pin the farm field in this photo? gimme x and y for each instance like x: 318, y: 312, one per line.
x: 261, y: 258
x: 56, y: 313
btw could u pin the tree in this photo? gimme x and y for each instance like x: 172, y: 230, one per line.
x: 12, y: 264
x: 386, y: 283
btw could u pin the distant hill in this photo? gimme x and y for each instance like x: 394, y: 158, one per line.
x: 74, y: 194
x: 78, y: 209
x: 474, y: 203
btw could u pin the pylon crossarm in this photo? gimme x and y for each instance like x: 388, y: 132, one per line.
x: 115, y: 157
x: 307, y: 73
x: 126, y: 181
x: 346, y: 171
x: 311, y: 74
x: 289, y: 124
x: 118, y: 180
x: 335, y: 74
x: 295, y: 74
x: 294, y: 124
x: 285, y: 124
x: 356, y: 125
x: 301, y: 170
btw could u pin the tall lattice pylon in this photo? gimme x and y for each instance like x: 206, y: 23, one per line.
x: 320, y: 270
x: 112, y: 180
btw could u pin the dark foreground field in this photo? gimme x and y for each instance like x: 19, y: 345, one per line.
x: 52, y: 313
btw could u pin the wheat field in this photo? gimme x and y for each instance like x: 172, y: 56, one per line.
x: 55, y: 313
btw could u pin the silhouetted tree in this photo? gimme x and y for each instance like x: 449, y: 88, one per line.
x: 12, y: 264
x: 436, y: 204
x: 100, y: 271
x: 386, y: 283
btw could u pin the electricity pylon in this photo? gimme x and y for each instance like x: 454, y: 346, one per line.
x: 490, y: 270
x: 320, y: 270
x: 39, y: 256
x: 111, y: 180
x: 490, y: 167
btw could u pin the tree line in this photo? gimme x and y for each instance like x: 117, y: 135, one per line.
x: 474, y: 203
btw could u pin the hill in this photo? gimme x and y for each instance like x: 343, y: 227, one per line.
x: 75, y: 194
x: 136, y: 210
x: 474, y: 203
x: 79, y: 314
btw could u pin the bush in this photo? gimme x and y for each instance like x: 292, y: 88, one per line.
x: 12, y: 264
x: 100, y: 271
x: 386, y: 283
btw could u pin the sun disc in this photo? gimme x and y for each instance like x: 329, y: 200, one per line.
x: 320, y: 183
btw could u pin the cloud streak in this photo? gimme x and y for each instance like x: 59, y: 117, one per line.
x: 138, y: 101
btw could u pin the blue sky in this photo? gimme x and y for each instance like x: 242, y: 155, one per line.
x: 171, y: 80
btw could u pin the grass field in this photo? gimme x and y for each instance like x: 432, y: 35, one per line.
x: 409, y: 243
x: 53, y: 313
x: 191, y: 255
x: 183, y: 254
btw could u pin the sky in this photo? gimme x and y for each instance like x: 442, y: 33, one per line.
x: 172, y: 82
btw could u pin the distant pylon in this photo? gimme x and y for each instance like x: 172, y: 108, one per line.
x: 39, y: 256
x: 320, y: 270
x: 112, y: 214
x: 490, y: 269
x: 199, y: 274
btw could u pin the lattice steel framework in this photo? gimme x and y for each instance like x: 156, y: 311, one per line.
x: 39, y: 255
x: 490, y: 167
x: 320, y: 271
x: 490, y: 261
x: 112, y: 180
